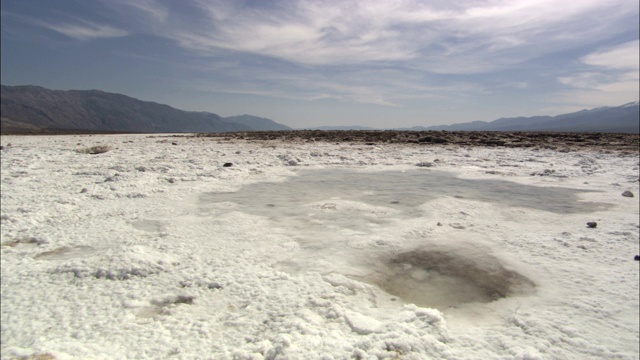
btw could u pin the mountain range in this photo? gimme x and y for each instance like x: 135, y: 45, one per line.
x: 34, y: 109
x: 616, y: 119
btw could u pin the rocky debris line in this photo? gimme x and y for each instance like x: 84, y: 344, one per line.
x: 545, y: 140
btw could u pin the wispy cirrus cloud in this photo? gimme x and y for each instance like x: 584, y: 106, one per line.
x: 76, y: 28
x: 613, y: 74
x: 412, y: 38
x: 482, y: 35
x: 625, y: 57
x: 148, y: 13
x: 392, y: 53
x: 378, y: 86
x: 73, y: 26
x: 85, y: 30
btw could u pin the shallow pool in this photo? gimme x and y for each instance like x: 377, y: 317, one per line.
x: 337, y: 216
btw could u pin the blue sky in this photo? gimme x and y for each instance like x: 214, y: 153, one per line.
x: 311, y: 63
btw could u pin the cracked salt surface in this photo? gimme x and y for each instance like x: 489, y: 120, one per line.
x: 154, y: 266
x: 328, y: 211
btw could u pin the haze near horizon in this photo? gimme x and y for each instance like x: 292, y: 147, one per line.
x: 307, y: 63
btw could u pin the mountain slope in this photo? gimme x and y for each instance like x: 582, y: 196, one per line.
x: 619, y: 119
x: 256, y: 123
x: 33, y: 106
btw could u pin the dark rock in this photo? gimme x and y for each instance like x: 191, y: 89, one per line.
x: 636, y: 258
x: 592, y: 224
x: 84, y: 190
x: 424, y: 164
x: 184, y: 299
x: 627, y: 194
x: 174, y: 143
x: 227, y: 165
x: 433, y: 140
x: 492, y: 142
x: 1, y: 147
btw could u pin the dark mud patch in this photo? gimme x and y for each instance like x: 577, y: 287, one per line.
x: 444, y: 279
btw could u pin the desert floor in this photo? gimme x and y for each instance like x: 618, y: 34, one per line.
x: 257, y: 246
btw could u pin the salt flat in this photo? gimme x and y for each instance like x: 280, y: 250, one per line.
x: 155, y: 249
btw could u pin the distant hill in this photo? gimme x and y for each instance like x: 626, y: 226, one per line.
x: 470, y: 126
x: 34, y: 108
x: 617, y: 119
x: 256, y: 123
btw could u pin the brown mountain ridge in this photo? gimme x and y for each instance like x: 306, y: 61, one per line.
x: 34, y: 109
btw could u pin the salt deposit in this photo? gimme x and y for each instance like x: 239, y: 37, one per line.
x: 315, y: 250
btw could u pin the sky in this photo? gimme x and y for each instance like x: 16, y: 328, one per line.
x: 313, y: 63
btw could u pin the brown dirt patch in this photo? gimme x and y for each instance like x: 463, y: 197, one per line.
x: 544, y: 140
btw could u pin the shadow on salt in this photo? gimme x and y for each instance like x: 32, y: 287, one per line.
x: 336, y: 216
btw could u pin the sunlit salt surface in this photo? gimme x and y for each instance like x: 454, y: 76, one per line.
x: 331, y: 214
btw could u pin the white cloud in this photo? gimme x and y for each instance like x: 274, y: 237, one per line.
x: 476, y: 36
x: 149, y: 7
x: 152, y: 9
x: 625, y: 56
x: 352, y: 84
x: 619, y: 64
x: 613, y: 79
x: 383, y: 52
x: 413, y: 38
x: 78, y: 29
x: 86, y: 31
x: 585, y: 80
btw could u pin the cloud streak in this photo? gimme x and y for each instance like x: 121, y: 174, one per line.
x: 613, y: 74
x: 338, y: 33
x: 400, y: 37
x: 85, y: 30
x: 625, y: 57
x: 390, y: 53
